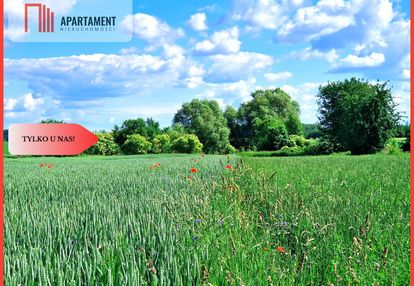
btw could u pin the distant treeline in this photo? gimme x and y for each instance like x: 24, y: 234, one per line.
x: 354, y: 115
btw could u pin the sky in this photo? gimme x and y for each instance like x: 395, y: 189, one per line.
x: 221, y: 50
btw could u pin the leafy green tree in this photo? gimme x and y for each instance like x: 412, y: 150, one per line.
x: 358, y: 115
x: 311, y: 131
x: 105, y: 146
x: 205, y: 119
x: 152, y: 128
x: 187, y: 143
x: 232, y: 117
x: 161, y: 144
x: 271, y: 133
x: 51, y: 121
x: 149, y: 129
x: 136, y: 144
x: 265, y: 122
x: 175, y: 131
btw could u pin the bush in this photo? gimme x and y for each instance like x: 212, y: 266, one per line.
x: 299, y: 141
x: 105, y: 146
x: 393, y: 147
x: 230, y: 149
x: 323, y: 146
x: 161, y: 144
x: 289, y: 151
x: 136, y: 144
x: 187, y: 143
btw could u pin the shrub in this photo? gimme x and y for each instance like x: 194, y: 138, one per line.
x: 299, y: 141
x: 105, y: 146
x: 136, y: 144
x: 393, y: 147
x: 323, y: 146
x: 187, y: 143
x: 161, y: 144
x: 289, y: 151
x: 230, y: 149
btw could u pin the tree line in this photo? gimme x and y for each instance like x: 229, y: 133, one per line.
x: 354, y: 115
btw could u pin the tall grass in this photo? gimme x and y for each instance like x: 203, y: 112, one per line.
x: 271, y: 221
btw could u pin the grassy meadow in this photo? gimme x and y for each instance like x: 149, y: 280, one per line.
x: 213, y: 220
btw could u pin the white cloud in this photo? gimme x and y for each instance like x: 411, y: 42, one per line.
x: 30, y: 103
x: 353, y: 61
x: 24, y: 103
x: 150, y: 28
x: 223, y: 42
x: 264, y: 14
x: 305, y: 95
x: 309, y: 53
x: 198, y: 22
x: 10, y: 104
x: 324, y: 18
x: 236, y: 67
x: 282, y: 76
x: 95, y: 76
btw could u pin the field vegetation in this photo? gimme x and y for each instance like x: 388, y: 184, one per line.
x: 207, y: 220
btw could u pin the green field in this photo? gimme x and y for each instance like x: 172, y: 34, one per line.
x: 331, y: 220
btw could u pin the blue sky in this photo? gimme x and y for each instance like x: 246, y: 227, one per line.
x: 221, y: 50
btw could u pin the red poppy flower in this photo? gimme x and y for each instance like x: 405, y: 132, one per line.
x: 42, y: 165
x: 193, y: 170
x: 157, y: 165
x: 280, y: 249
x: 50, y: 166
x: 190, y: 178
x: 228, y: 167
x: 150, y: 168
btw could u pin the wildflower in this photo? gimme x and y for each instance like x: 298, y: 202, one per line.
x: 228, y: 167
x: 190, y: 178
x: 193, y: 170
x: 280, y: 249
x: 157, y: 165
x: 265, y: 249
x: 50, y: 166
x: 198, y: 220
x: 195, y: 161
x: 42, y: 165
x: 150, y: 168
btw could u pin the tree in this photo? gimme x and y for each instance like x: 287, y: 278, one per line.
x: 231, y: 116
x: 175, y: 131
x: 136, y: 144
x: 271, y: 133
x: 205, y: 119
x: 105, y: 146
x: 148, y: 129
x: 311, y: 131
x: 358, y: 115
x: 188, y: 143
x: 51, y: 121
x: 161, y: 144
x: 265, y: 122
